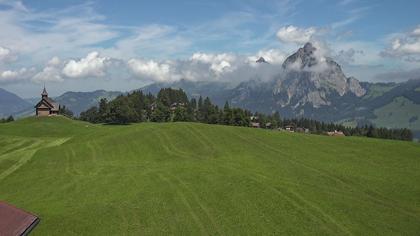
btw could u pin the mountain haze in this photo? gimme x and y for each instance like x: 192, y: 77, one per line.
x: 10, y: 103
x: 81, y: 101
x: 75, y: 101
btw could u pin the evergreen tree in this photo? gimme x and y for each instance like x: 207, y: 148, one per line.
x: 180, y: 114
x: 10, y: 119
x: 161, y: 113
x: 90, y: 115
x: 120, y: 112
x: 227, y: 115
x: 103, y: 110
x: 63, y: 110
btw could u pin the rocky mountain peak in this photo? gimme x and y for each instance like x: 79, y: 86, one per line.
x: 304, y: 58
x: 308, y: 49
x: 312, y: 78
x: 261, y: 60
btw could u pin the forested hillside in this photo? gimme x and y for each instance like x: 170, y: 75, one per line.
x: 171, y: 105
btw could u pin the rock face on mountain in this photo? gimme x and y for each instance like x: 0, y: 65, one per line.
x: 309, y: 77
x: 261, y: 60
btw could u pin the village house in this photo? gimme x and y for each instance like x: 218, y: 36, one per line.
x: 290, y: 127
x: 254, y: 122
x: 47, y: 106
x: 255, y: 125
x: 336, y: 133
x: 300, y: 130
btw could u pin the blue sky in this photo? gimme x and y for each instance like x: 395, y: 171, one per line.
x: 123, y: 45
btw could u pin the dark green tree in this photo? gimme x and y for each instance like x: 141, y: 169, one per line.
x: 161, y: 113
x: 63, y: 110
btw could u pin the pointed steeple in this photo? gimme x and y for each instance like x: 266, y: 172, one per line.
x: 44, y: 93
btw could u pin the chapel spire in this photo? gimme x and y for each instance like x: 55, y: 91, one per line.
x: 44, y: 92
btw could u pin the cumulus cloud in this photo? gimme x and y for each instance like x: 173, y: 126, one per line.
x: 219, y: 63
x: 13, y: 76
x: 6, y: 55
x: 272, y: 56
x: 92, y: 65
x: 200, y: 66
x: 406, y: 46
x: 51, y: 72
x: 152, y: 70
x: 293, y: 34
x: 56, y: 70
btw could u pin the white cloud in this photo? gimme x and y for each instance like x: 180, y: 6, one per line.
x: 292, y: 34
x: 51, y: 72
x: 151, y: 70
x: 219, y: 63
x: 4, y: 52
x: 92, y: 65
x: 55, y: 61
x: 406, y: 46
x: 156, y: 40
x: 273, y: 56
x: 200, y: 66
x: 42, y: 33
x: 6, y: 55
x: 13, y: 76
x: 8, y: 74
x: 400, y: 46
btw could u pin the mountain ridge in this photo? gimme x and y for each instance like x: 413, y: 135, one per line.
x: 312, y: 86
x: 11, y: 103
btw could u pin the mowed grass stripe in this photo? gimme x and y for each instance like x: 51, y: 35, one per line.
x: 197, y: 179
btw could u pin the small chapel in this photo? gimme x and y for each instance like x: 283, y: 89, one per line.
x: 47, y: 106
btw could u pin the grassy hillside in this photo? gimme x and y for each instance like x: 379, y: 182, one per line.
x: 401, y: 112
x: 196, y: 179
x: 378, y: 89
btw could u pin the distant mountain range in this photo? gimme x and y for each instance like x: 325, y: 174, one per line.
x: 315, y: 87
x: 309, y: 86
x: 75, y: 101
x: 11, y: 104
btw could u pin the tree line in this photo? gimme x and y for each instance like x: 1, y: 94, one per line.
x: 6, y: 120
x: 172, y: 105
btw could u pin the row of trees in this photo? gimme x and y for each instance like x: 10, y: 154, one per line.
x: 171, y: 105
x: 6, y: 120
x: 317, y: 127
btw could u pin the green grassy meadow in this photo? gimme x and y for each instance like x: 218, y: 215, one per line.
x: 198, y: 179
x: 400, y: 113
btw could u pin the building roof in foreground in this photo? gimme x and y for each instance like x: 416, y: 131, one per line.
x: 15, y: 221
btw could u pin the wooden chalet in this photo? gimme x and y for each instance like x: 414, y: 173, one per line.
x: 290, y: 127
x: 255, y: 125
x: 47, y: 106
x: 336, y: 133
